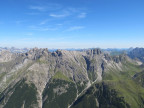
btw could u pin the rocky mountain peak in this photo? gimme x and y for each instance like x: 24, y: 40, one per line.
x: 6, y: 56
x: 94, y: 51
x: 36, y: 53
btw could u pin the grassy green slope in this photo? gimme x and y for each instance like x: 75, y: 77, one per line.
x: 59, y: 93
x: 23, y: 94
x: 139, y: 78
x: 60, y: 76
x: 124, y: 84
x: 117, y: 90
x: 100, y: 96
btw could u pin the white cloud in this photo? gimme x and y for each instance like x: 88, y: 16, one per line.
x: 82, y: 15
x: 42, y: 28
x: 44, y: 22
x: 47, y: 29
x: 75, y: 28
x: 45, y: 7
x: 74, y: 10
x: 39, y: 8
x: 20, y: 21
x: 57, y: 16
x: 33, y: 13
x: 63, y: 14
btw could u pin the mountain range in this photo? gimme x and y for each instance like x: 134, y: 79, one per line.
x: 39, y: 78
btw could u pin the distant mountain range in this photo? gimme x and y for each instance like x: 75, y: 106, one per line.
x: 23, y: 50
x: 15, y: 50
x: 87, y: 78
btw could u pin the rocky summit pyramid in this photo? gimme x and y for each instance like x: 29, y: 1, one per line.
x: 70, y: 79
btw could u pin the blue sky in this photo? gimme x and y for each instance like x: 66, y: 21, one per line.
x: 72, y: 23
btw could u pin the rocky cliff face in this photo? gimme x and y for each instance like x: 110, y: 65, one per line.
x: 137, y: 53
x: 52, y: 79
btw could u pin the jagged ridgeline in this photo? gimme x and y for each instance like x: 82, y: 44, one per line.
x: 70, y: 79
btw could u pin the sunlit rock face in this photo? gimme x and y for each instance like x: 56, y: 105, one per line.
x: 50, y: 77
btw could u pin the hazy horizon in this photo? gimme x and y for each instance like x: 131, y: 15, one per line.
x: 69, y: 48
